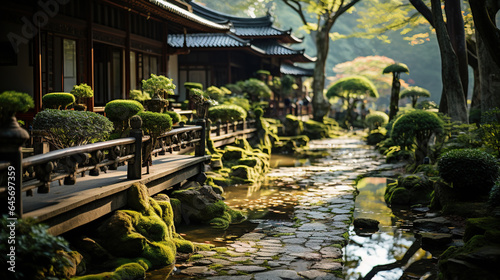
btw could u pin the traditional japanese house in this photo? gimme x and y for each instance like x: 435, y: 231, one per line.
x: 218, y: 59
x: 50, y: 45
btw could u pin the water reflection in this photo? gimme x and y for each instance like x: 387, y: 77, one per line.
x: 392, y: 248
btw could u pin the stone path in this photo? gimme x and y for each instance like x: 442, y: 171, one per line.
x: 309, y: 247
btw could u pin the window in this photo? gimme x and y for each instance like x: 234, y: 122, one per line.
x: 69, y: 58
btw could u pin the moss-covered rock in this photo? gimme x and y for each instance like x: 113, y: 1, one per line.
x: 130, y: 271
x: 409, y: 190
x: 293, y: 126
x: 487, y: 226
x: 316, y: 130
x: 234, y: 153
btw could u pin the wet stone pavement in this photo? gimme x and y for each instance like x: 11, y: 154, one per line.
x: 310, y: 245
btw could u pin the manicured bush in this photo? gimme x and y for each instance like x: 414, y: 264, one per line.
x: 158, y: 85
x: 139, y: 95
x: 494, y: 199
x: 155, y: 124
x: 376, y: 119
x: 119, y: 111
x: 235, y: 89
x: 214, y: 93
x: 12, y: 102
x: 174, y: 116
x: 66, y: 128
x: 416, y: 128
x: 490, y: 129
x: 38, y: 254
x: 471, y: 171
x: 57, y: 100
x: 242, y: 102
x: 255, y: 89
x: 226, y: 113
x: 82, y: 91
x: 376, y: 136
x: 191, y: 85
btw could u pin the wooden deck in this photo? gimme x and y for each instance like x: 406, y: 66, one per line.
x: 67, y: 207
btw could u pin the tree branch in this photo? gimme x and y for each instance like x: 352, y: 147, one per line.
x: 423, y: 10
x: 297, y: 7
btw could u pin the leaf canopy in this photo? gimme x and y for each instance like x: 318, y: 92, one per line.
x: 353, y: 85
x: 396, y: 68
x: 414, y: 92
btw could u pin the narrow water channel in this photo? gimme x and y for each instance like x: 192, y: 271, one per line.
x: 389, y: 245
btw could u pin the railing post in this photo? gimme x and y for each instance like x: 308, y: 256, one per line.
x: 200, y: 148
x: 134, y: 167
x: 12, y: 137
x: 217, y: 131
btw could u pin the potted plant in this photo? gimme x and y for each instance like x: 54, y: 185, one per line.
x: 158, y: 88
x: 11, y: 102
x: 81, y: 92
x: 201, y: 103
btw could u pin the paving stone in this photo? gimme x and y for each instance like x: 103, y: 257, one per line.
x: 220, y: 261
x: 331, y: 252
x: 232, y: 277
x: 327, y: 265
x: 313, y: 227
x: 252, y: 236
x: 277, y: 274
x: 266, y: 254
x: 207, y: 253
x: 201, y: 262
x: 295, y: 240
x: 300, y: 265
x: 248, y: 268
x: 198, y: 270
x: 312, y: 256
x: 239, y: 259
x: 312, y: 274
x: 246, y: 250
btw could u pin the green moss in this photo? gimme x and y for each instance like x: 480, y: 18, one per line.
x: 195, y: 257
x: 160, y: 253
x: 131, y: 271
x: 316, y: 130
x: 234, y: 153
x: 482, y: 226
x: 219, y: 223
x: 183, y: 246
x: 203, y: 246
x: 138, y: 198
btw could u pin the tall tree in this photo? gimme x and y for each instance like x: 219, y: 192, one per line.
x: 325, y: 13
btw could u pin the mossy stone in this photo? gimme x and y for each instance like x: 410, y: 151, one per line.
x: 481, y: 226
x: 130, y: 271
x: 233, y: 153
x: 399, y: 196
x: 138, y: 197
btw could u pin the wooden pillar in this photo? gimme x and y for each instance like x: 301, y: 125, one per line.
x: 127, y: 55
x: 90, y: 39
x: 37, y: 72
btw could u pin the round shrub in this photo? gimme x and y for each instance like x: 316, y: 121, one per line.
x: 66, y: 128
x: 155, y: 124
x: 416, y: 128
x: 139, y: 95
x: 471, y: 171
x: 12, y: 102
x: 57, y: 100
x: 192, y: 85
x: 174, y: 116
x: 376, y: 119
x: 120, y: 110
x: 242, y: 102
x: 214, y: 93
x: 255, y: 88
x: 227, y: 112
x: 82, y: 91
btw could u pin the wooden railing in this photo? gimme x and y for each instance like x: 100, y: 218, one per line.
x: 39, y: 171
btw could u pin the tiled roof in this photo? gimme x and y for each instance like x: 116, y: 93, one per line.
x: 207, y: 40
x: 246, y: 27
x: 274, y: 48
x: 188, y: 15
x: 289, y: 69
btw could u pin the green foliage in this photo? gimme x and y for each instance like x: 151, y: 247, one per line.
x: 471, y: 171
x: 57, y: 100
x: 235, y: 89
x: 426, y: 105
x: 255, y: 89
x: 174, y: 116
x: 155, y: 124
x: 414, y: 93
x: 352, y: 86
x: 376, y: 136
x: 67, y: 128
x: 287, y: 83
x: 490, y: 129
x: 416, y: 127
x: 240, y: 101
x: 82, y: 91
x: 396, y: 68
x: 263, y: 72
x: 38, y: 254
x: 376, y: 119
x: 123, y: 272
x: 192, y: 85
x: 494, y: 199
x: 227, y: 113
x: 121, y: 110
x: 158, y: 86
x: 12, y: 102
x: 214, y: 93
x: 139, y: 95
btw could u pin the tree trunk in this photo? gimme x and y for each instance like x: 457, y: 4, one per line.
x: 489, y: 76
x: 320, y: 104
x: 452, y: 85
x: 396, y: 86
x: 456, y: 31
x: 483, y: 12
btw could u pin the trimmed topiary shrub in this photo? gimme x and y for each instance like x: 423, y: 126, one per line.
x: 416, y: 128
x: 139, y: 95
x: 12, y: 102
x: 158, y: 85
x: 226, y: 112
x: 174, y: 116
x: 376, y: 119
x: 471, y: 171
x: 490, y: 129
x: 192, y: 85
x: 155, y: 124
x: 242, y: 102
x: 376, y: 136
x: 82, y: 91
x: 57, y: 100
x: 214, y: 93
x: 255, y: 89
x: 65, y: 128
x: 119, y: 111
